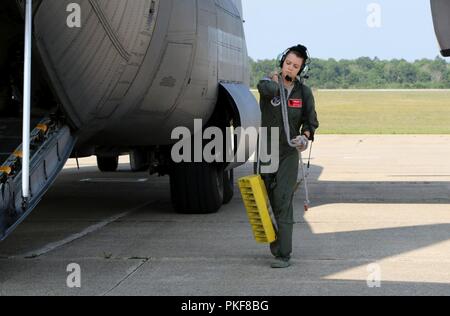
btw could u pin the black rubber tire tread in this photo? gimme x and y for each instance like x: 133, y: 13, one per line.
x: 196, y: 188
x: 135, y: 161
x: 108, y: 164
x: 228, y: 186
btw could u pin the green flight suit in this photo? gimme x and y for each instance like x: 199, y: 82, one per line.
x: 281, y: 185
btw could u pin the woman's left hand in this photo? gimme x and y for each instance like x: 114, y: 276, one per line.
x: 303, y: 143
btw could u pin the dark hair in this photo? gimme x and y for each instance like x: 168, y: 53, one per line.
x: 299, y: 50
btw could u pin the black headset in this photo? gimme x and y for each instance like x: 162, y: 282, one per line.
x: 303, y: 51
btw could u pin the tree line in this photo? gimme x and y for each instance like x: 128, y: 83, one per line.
x: 367, y: 73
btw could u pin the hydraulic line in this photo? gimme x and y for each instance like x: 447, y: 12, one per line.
x: 287, y: 129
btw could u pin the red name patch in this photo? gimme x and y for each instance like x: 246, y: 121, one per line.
x: 296, y: 103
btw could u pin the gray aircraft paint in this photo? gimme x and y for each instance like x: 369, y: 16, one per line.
x: 126, y: 74
x: 441, y: 14
x: 129, y: 77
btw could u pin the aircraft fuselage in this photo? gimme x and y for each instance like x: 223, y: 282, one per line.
x: 136, y: 69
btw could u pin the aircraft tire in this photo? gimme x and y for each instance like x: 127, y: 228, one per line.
x: 196, y: 188
x: 138, y: 163
x: 228, y: 186
x: 108, y: 164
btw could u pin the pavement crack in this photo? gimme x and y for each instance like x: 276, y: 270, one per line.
x: 129, y: 274
x: 88, y: 231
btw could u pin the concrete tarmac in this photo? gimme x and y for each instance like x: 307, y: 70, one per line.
x: 379, y: 225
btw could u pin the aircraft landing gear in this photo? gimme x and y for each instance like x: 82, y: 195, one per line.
x: 108, y: 163
x: 197, y: 188
x: 228, y: 186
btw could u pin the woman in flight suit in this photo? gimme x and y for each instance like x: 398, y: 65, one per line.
x: 303, y: 124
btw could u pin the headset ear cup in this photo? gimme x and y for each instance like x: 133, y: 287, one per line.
x: 305, y: 69
x: 283, y: 57
x: 282, y: 61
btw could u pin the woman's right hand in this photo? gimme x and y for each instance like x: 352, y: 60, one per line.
x: 274, y: 76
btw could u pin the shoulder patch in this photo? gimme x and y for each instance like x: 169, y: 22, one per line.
x: 276, y: 101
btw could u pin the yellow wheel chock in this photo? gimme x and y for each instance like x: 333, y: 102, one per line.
x: 257, y: 204
x: 6, y: 170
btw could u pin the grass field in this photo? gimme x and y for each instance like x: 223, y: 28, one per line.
x: 383, y: 112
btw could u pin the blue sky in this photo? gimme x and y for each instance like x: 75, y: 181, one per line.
x: 340, y: 29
